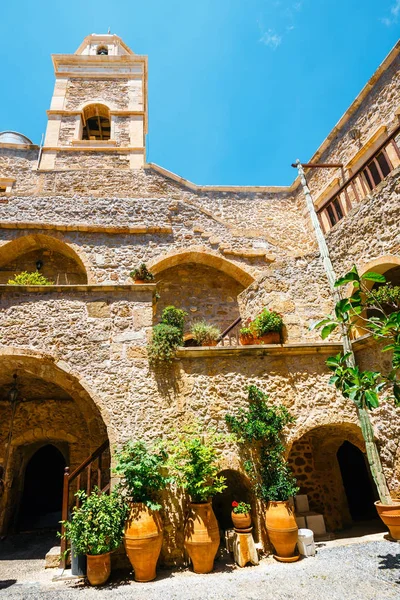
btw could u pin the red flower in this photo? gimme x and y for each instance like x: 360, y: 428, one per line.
x: 234, y: 503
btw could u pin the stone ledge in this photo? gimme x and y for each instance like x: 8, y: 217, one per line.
x: 137, y: 229
x: 267, y: 349
x: 40, y: 289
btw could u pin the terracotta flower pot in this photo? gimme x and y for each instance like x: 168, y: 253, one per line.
x: 390, y: 515
x: 273, y: 337
x: 98, y: 568
x: 210, y: 343
x: 143, y: 540
x: 202, y: 537
x: 241, y: 520
x: 247, y: 339
x: 282, y: 528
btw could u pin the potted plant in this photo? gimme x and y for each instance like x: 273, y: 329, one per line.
x: 167, y: 335
x: 96, y: 529
x: 142, y: 471
x: 141, y: 274
x: 266, y: 328
x: 205, y: 334
x: 241, y: 515
x: 259, y: 429
x: 194, y: 465
x: 376, y: 312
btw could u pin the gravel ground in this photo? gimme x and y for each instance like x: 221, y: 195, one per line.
x: 363, y: 571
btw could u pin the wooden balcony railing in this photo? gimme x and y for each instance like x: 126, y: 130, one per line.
x: 97, y: 474
x: 362, y: 182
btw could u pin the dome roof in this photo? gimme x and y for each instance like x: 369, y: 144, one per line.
x: 13, y: 137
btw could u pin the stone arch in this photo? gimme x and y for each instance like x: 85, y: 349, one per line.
x: 50, y: 395
x: 203, y: 257
x: 36, y: 243
x: 313, y: 460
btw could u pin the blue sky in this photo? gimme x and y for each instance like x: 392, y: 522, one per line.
x: 237, y: 88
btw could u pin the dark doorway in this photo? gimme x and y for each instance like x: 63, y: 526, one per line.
x: 43, y: 485
x: 358, y: 483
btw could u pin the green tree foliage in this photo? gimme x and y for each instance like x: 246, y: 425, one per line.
x: 362, y: 386
x: 97, y: 526
x: 194, y: 465
x: 143, y: 472
x: 259, y: 429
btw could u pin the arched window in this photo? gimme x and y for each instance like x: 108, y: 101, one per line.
x: 102, y: 50
x: 96, y: 122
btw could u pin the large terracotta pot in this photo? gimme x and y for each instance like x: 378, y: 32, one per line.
x: 202, y: 536
x: 282, y: 528
x: 143, y: 540
x: 241, y: 521
x: 98, y: 568
x: 390, y: 515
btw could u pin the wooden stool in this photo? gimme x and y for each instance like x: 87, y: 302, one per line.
x: 244, y: 549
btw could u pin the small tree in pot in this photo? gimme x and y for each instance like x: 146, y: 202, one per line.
x: 95, y: 529
x: 376, y: 312
x: 143, y: 474
x: 195, y: 467
x: 259, y: 429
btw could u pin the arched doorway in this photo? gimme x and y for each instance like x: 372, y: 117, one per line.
x: 41, y: 502
x: 357, y: 481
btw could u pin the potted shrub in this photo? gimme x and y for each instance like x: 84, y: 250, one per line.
x: 142, y: 472
x: 205, y: 334
x: 246, y: 334
x: 266, y: 328
x: 376, y: 312
x: 167, y: 335
x: 259, y: 428
x: 34, y: 278
x: 241, y: 515
x: 96, y: 529
x: 141, y: 274
x: 195, y: 467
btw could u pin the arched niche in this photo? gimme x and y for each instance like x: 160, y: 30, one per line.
x: 56, y: 260
x: 204, y: 285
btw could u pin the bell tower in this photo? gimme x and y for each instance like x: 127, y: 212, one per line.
x: 98, y: 112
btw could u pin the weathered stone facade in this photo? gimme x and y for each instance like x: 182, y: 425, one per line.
x: 91, y: 214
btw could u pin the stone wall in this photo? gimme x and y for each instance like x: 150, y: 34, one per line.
x: 80, y: 92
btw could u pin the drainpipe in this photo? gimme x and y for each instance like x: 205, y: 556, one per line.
x: 363, y: 415
x: 40, y: 152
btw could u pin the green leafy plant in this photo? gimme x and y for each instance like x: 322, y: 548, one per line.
x: 174, y: 316
x: 259, y: 430
x: 97, y: 526
x: 34, y: 278
x: 241, y: 508
x: 194, y: 465
x: 365, y: 387
x: 266, y: 322
x: 204, y: 334
x: 167, y: 335
x: 143, y: 472
x: 142, y: 273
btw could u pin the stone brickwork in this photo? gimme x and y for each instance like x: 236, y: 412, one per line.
x: 79, y: 93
